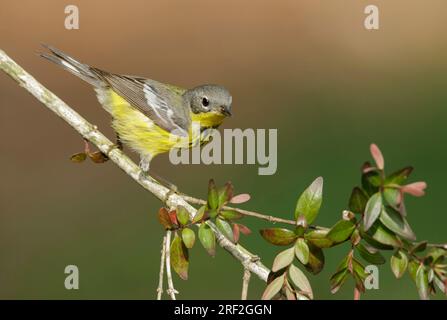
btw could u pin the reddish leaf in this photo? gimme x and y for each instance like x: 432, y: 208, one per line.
x: 240, y: 198
x: 244, y: 229
x: 278, y: 236
x: 165, y: 220
x: 236, y: 233
x: 416, y: 189
x: 173, y: 217
x: 377, y: 155
x: 98, y: 157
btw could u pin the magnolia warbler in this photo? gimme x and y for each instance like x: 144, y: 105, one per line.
x: 149, y: 116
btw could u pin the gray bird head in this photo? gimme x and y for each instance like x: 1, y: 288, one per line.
x: 209, y: 98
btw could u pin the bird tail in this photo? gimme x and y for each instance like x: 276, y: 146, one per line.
x: 77, y: 68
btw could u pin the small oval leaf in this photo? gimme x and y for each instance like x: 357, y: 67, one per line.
x: 179, y: 257
x: 213, y: 197
x: 371, y: 257
x: 182, y: 216
x: 283, y: 259
x: 309, y: 202
x: 300, y: 280
x: 278, y: 236
x: 422, y: 282
x: 240, y: 198
x: 188, y: 237
x: 372, y: 210
x: 302, y: 251
x: 225, y: 228
x: 207, y: 238
x: 230, y: 214
x: 399, y: 264
x: 341, y: 231
x: 273, y: 288
x: 78, y: 157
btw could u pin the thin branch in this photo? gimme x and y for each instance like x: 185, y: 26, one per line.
x: 249, y: 213
x: 245, y: 282
x: 171, y: 290
x: 162, y: 268
x: 92, y: 134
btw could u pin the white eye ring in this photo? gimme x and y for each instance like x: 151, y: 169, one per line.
x: 205, y: 103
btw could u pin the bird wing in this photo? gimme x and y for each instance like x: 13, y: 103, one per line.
x: 161, y: 103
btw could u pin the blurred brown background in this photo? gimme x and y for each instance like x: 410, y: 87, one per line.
x: 308, y: 68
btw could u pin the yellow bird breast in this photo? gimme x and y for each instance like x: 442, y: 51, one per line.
x: 142, y: 134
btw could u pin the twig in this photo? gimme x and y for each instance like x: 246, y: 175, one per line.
x: 245, y: 282
x: 92, y: 134
x: 171, y: 290
x: 249, y: 213
x: 241, y: 211
x: 162, y: 268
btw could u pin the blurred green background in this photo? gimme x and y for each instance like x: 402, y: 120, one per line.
x: 308, y: 68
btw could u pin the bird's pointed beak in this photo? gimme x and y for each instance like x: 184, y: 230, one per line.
x: 226, y: 111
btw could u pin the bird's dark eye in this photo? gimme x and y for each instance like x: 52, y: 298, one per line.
x: 205, y: 102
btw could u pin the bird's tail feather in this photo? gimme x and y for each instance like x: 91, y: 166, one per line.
x: 77, y: 68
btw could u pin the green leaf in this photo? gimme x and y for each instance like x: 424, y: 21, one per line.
x: 384, y: 236
x: 278, y: 236
x: 207, y: 238
x: 338, y: 279
x: 213, y: 198
x: 165, y: 220
x: 371, y: 181
x: 302, y: 251
x: 360, y: 275
x: 225, y: 193
x: 319, y: 238
x: 199, y: 215
x: 375, y: 244
x: 422, y: 282
x: 399, y: 263
x: 316, y: 259
x: 78, y: 157
x: 225, y: 228
x: 420, y: 246
x: 396, y: 223
x: 273, y: 287
x: 435, y: 255
x: 371, y: 257
x: 300, y: 280
x: 358, y: 200
x: 212, y: 213
x: 230, y: 214
x: 399, y: 176
x: 182, y: 216
x: 393, y: 197
x: 188, y: 237
x: 341, y: 231
x: 179, y: 257
x: 309, y: 202
x: 412, y: 269
x: 283, y: 259
x: 372, y: 210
